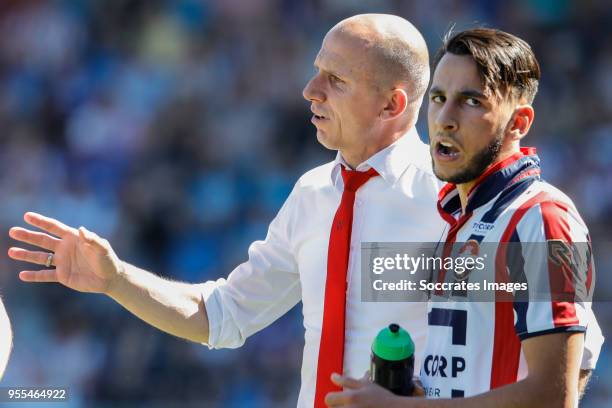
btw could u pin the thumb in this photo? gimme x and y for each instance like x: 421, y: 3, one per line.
x: 346, y: 382
x: 92, y: 239
x: 418, y: 391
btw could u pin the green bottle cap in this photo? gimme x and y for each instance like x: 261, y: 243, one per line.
x: 393, y: 343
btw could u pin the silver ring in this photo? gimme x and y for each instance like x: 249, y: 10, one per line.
x: 49, y: 260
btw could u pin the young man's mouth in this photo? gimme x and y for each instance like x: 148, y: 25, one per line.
x: 446, y: 151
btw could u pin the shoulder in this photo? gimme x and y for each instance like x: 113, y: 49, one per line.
x: 538, y: 193
x: 319, y: 177
x: 309, y: 192
x: 420, y: 157
x: 542, y: 193
x: 551, y: 211
x: 309, y: 187
x: 554, y: 194
x: 420, y: 171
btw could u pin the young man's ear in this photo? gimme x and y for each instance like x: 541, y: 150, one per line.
x: 396, y: 104
x: 522, y: 119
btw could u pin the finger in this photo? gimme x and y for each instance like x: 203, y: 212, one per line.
x: 40, y: 239
x: 50, y: 225
x: 418, y: 390
x: 346, y: 382
x: 92, y: 238
x: 20, y: 254
x: 337, y: 399
x: 46, y: 275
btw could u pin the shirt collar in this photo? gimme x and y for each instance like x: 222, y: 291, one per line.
x: 390, y: 163
x: 494, y: 180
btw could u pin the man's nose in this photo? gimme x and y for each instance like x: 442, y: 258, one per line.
x: 312, y: 91
x: 446, y: 118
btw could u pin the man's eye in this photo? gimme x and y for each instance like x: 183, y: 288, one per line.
x: 437, y: 99
x: 472, y: 102
x: 334, y: 78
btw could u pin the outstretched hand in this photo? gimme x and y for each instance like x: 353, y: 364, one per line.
x: 83, y: 261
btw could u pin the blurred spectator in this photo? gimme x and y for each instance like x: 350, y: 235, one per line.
x: 6, y: 338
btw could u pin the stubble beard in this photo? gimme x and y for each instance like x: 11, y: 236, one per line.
x: 479, y: 163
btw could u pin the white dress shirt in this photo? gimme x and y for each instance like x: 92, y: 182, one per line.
x: 291, y: 263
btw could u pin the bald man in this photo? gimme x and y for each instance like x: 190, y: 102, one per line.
x: 371, y: 74
x: 6, y: 339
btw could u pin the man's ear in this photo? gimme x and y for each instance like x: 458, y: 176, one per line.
x: 521, y: 121
x: 396, y: 104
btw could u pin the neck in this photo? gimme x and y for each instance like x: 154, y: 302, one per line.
x: 463, y: 190
x: 354, y: 160
x: 354, y: 157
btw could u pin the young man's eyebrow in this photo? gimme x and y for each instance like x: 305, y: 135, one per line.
x: 435, y: 90
x: 472, y: 93
x: 466, y: 93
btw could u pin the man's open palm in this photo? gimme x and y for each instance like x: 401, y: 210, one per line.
x: 83, y: 261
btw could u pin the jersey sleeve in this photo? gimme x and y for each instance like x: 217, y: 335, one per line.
x: 260, y: 290
x: 558, y: 267
x: 593, y: 341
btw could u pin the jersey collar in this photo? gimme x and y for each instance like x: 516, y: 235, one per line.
x: 493, y: 181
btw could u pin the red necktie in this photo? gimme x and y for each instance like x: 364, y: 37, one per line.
x: 331, y: 350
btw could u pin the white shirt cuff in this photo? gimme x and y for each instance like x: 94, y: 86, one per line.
x: 214, y: 312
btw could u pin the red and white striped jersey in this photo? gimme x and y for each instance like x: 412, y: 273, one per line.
x: 473, y: 347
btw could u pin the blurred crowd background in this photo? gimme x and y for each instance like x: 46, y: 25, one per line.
x: 176, y: 129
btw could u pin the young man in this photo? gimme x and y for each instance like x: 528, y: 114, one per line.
x: 520, y: 351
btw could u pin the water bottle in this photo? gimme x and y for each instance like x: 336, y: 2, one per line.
x: 392, y: 363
